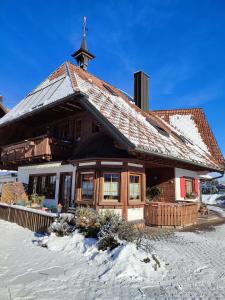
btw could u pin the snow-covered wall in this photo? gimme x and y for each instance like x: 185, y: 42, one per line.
x: 183, y: 173
x: 47, y: 168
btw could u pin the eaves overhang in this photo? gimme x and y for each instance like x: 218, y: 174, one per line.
x: 194, y: 163
x: 75, y: 95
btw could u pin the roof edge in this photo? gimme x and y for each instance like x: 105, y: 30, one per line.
x: 220, y: 170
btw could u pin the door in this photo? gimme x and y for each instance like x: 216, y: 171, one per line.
x: 65, y: 188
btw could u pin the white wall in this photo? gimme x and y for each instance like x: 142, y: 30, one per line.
x: 183, y: 173
x: 48, y: 168
x: 135, y: 214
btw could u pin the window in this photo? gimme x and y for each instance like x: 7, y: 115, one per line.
x: 78, y: 130
x: 110, y: 90
x: 135, y: 187
x: 189, y: 185
x: 42, y: 185
x: 158, y: 128
x: 87, y: 186
x: 111, y: 186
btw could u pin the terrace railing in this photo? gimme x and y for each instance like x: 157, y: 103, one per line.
x: 33, y: 219
x: 171, y: 214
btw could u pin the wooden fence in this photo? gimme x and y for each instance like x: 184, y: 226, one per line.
x: 32, y: 219
x: 171, y: 214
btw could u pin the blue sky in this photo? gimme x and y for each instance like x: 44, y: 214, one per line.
x: 180, y: 44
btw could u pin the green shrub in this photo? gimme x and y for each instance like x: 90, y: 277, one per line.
x: 127, y: 231
x: 107, y: 216
x: 86, y: 220
x: 113, y: 229
x: 61, y: 227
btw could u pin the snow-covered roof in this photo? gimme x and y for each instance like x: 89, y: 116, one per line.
x: 193, y: 124
x: 145, y: 132
x: 47, y: 92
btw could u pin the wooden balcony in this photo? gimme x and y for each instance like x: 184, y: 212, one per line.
x: 42, y: 148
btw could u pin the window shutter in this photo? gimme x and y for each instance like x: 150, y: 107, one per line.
x: 182, y: 187
x: 196, y: 186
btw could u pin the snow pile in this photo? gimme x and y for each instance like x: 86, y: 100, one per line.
x: 210, y: 198
x: 213, y: 199
x: 218, y: 210
x: 124, y: 262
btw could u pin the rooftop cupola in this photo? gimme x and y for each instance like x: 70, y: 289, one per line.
x: 82, y: 55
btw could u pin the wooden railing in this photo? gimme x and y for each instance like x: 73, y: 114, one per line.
x: 32, y: 219
x: 171, y: 214
x: 42, y: 147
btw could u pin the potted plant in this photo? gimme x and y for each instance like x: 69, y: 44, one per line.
x: 153, y: 193
x: 36, y: 200
x: 192, y: 195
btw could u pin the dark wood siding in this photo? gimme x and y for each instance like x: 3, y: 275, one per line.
x: 164, y: 179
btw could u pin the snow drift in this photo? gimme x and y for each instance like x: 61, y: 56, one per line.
x: 125, y: 261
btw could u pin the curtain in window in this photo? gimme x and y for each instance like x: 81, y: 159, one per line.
x: 134, y: 187
x: 189, y: 186
x: 111, y: 186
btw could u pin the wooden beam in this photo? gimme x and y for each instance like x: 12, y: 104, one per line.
x: 73, y: 105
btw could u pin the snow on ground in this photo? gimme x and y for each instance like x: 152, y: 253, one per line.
x: 214, y: 199
x: 72, y: 268
x: 217, y: 209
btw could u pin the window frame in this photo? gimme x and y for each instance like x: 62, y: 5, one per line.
x: 110, y: 201
x: 141, y: 200
x: 140, y: 184
x: 192, y: 179
x: 39, y: 185
x: 79, y: 187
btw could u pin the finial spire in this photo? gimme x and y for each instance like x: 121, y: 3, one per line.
x: 82, y: 55
x: 84, y: 27
x: 84, y: 39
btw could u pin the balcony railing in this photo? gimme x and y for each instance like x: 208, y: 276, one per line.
x: 35, y: 149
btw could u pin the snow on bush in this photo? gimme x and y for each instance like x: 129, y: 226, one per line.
x: 113, y: 229
x: 107, y: 226
x: 63, y: 225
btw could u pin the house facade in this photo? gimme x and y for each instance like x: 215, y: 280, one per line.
x: 80, y: 141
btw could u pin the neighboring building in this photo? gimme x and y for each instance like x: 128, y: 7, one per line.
x: 80, y: 141
x: 6, y: 177
x: 3, y: 110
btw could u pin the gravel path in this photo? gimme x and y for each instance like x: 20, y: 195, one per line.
x: 195, y: 265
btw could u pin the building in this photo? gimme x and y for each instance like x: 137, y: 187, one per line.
x: 81, y: 141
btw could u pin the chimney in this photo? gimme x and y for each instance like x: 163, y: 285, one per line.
x: 141, y: 90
